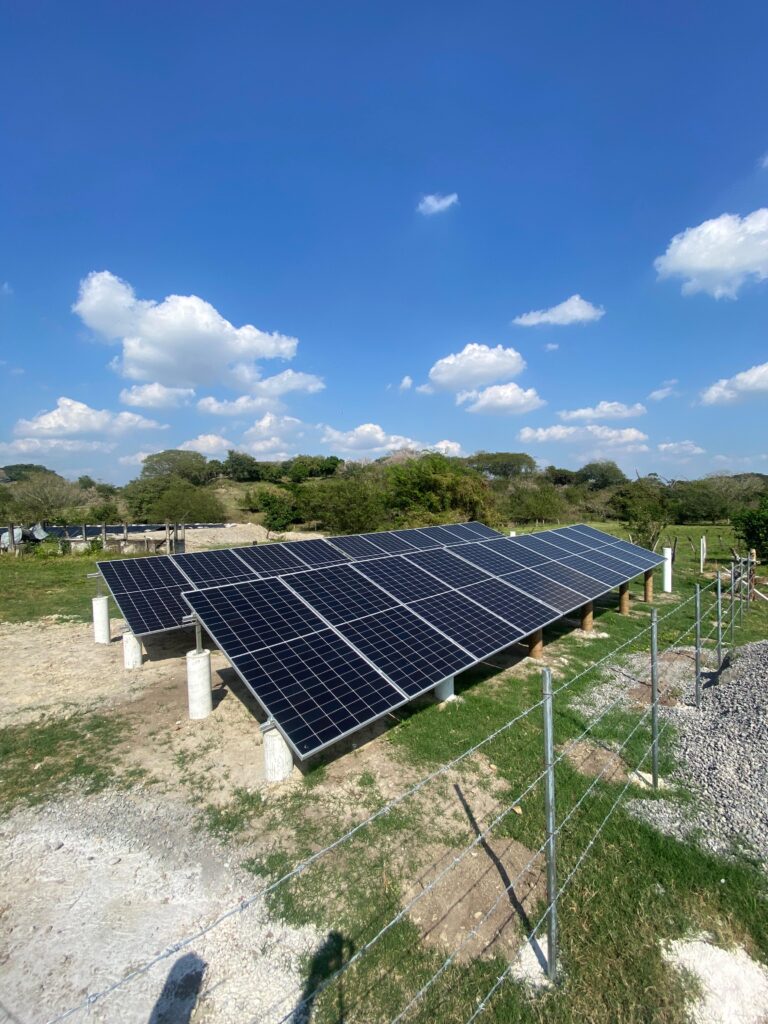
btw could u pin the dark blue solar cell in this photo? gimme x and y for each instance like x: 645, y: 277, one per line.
x: 467, y: 624
x: 317, y: 552
x: 213, y: 568
x: 356, y: 547
x: 128, y: 575
x: 442, y: 535
x: 523, y: 553
x: 339, y: 593
x: 462, y: 531
x: 417, y: 539
x: 388, y: 543
x: 401, y: 578
x: 523, y: 612
x: 447, y: 567
x: 602, y: 557
x: 589, y: 568
x: 483, y: 555
x: 267, y: 558
x: 482, y: 530
x: 153, y: 611
x: 563, y: 544
x: 637, y: 555
x: 599, y: 535
x: 530, y: 582
x: 584, y: 542
x: 587, y: 586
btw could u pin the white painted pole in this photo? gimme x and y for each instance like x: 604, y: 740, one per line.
x: 667, y: 587
x: 278, y: 759
x: 702, y: 553
x: 513, y: 533
x: 199, y: 684
x: 132, y: 653
x: 101, y: 630
x: 444, y: 690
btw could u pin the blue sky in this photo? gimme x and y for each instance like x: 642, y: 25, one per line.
x: 312, y: 227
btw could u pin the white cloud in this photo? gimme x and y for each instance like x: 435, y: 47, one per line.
x: 71, y: 417
x: 720, y: 255
x: 627, y: 438
x: 667, y: 390
x: 5, y: 288
x: 265, y: 394
x: 135, y: 459
x: 753, y: 381
x: 270, y: 425
x: 504, y: 398
x: 574, y: 310
x: 436, y: 203
x: 551, y: 346
x: 764, y: 161
x: 367, y: 437
x: 604, y: 411
x: 425, y: 389
x: 182, y: 341
x: 207, y: 444
x: 675, y: 449
x: 473, y: 366
x: 41, y: 445
x: 406, y: 383
x: 156, y: 396
x: 451, y: 448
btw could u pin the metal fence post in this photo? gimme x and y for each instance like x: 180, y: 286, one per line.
x: 697, y: 656
x: 733, y: 607
x: 719, y: 620
x: 655, y: 698
x: 741, y: 592
x: 549, y: 810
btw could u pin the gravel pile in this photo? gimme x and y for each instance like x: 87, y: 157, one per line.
x: 722, y: 755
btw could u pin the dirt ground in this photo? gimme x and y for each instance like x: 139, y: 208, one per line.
x: 230, y: 535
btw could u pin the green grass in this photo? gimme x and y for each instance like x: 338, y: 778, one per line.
x: 35, y: 586
x: 42, y: 758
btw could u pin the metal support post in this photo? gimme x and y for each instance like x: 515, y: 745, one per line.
x: 719, y: 621
x: 655, y: 698
x: 549, y: 811
x: 741, y: 592
x: 733, y: 607
x: 697, y: 654
x: 198, y: 637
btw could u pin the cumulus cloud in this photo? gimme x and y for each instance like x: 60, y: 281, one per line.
x: 367, y: 437
x: 207, y: 444
x: 436, y: 203
x: 42, y: 445
x: 182, y: 341
x: 473, y: 366
x: 753, y: 381
x: 406, y: 383
x: 677, y: 449
x: 71, y: 417
x: 265, y: 394
x: 574, y: 310
x: 502, y: 398
x: 551, y: 346
x: 628, y: 438
x: 604, y: 411
x: 270, y: 425
x: 134, y: 459
x: 156, y: 396
x: 451, y: 448
x: 667, y: 390
x: 720, y: 255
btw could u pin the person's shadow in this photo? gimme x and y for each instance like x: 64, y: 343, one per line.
x: 179, y: 996
x: 334, y: 951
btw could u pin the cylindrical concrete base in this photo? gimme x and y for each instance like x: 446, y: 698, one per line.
x: 132, y: 655
x: 101, y: 631
x: 648, y: 586
x: 199, y: 684
x: 278, y: 759
x: 667, y: 586
x: 444, y: 690
x: 536, y: 644
x: 513, y: 533
x: 624, y: 598
x: 587, y: 617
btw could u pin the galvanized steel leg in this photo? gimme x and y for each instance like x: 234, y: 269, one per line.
x: 549, y: 810
x: 719, y: 621
x: 697, y: 655
x: 655, y: 698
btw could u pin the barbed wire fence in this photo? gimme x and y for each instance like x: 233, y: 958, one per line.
x: 705, y: 614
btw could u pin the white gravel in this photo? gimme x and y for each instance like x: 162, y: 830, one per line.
x: 94, y: 887
x: 733, y: 986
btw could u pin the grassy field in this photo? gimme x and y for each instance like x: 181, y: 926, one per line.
x: 635, y: 889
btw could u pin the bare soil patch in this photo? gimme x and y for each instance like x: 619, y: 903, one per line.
x: 593, y: 760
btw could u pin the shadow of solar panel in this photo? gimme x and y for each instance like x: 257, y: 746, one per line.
x: 447, y: 567
x: 317, y: 689
x: 356, y: 547
x: 317, y: 552
x: 530, y: 582
x: 589, y: 568
x: 467, y: 624
x: 401, y: 578
x: 648, y: 559
x: 210, y: 568
x: 523, y: 612
x: 251, y: 616
x: 339, y: 593
x: 587, y: 586
x: 267, y: 558
x: 482, y: 530
x: 408, y: 650
x: 484, y: 555
x: 388, y: 543
x: 417, y: 539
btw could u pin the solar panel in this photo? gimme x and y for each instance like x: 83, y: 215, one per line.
x: 482, y: 530
x: 467, y: 624
x: 523, y: 612
x: 408, y: 650
x: 401, y: 578
x: 317, y: 689
x: 247, y: 617
x: 339, y: 593
x: 356, y: 547
x: 462, y: 531
x: 417, y: 539
x: 487, y: 557
x: 573, y: 535
x: 602, y: 557
x: 388, y: 542
x: 639, y: 556
x: 561, y: 598
x: 587, y: 586
x: 447, y: 567
x: 561, y: 543
x: 522, y: 552
x: 538, y: 547
x: 271, y: 558
x: 129, y: 575
x: 317, y: 552
x: 210, y: 568
x: 441, y: 535
x: 589, y: 568
x: 147, y: 591
x: 590, y: 531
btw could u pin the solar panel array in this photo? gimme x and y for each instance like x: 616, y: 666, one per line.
x: 329, y: 635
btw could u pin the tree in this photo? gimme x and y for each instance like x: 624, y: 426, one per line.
x: 190, y: 466
x: 241, y: 467
x: 752, y: 526
x: 503, y: 464
x: 599, y: 475
x: 279, y: 509
x: 42, y: 496
x: 86, y: 483
x: 140, y: 497
x: 560, y: 477
x: 536, y: 500
x: 643, y: 508
x: 21, y: 470
x: 182, y: 502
